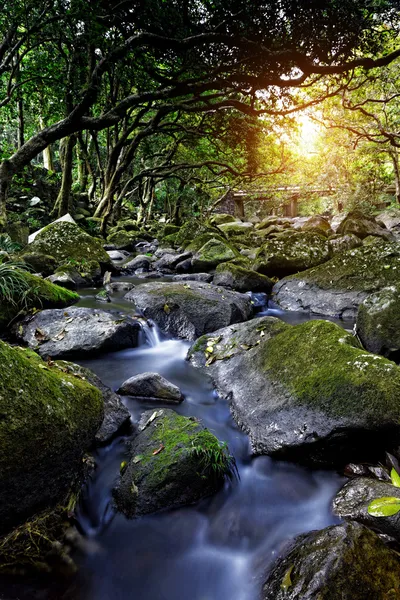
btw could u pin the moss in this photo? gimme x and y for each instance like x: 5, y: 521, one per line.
x: 325, y: 368
x: 378, y: 321
x: 170, y: 229
x: 220, y: 218
x: 170, y: 239
x: 66, y: 241
x: 48, y: 418
x: 212, y: 253
x: 191, y: 229
x: 366, y: 269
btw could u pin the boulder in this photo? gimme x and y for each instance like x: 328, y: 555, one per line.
x: 116, y: 416
x: 168, y: 261
x: 69, y: 281
x: 343, y: 562
x: 220, y: 218
x: 241, y: 279
x: 187, y: 310
x: 117, y: 255
x: 206, y: 277
x: 390, y: 218
x: 139, y: 262
x: 151, y: 386
x: 291, y: 252
x: 40, y: 263
x: 318, y: 224
x: 212, y: 254
x: 361, y: 225
x: 119, y: 286
x: 297, y: 390
x: 174, y: 461
x: 64, y: 219
x: 67, y: 242
x: 82, y: 273
x: 77, y: 332
x: 378, y: 322
x: 339, y: 243
x: 191, y: 229
x: 353, y: 499
x: 123, y: 240
x: 236, y: 228
x: 338, y: 287
x: 48, y: 420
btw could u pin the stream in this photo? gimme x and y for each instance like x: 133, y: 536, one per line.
x: 219, y: 549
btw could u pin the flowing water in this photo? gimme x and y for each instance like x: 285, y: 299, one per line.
x: 219, y: 549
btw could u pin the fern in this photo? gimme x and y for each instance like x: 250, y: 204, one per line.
x: 15, y: 289
x: 7, y: 245
x: 217, y: 459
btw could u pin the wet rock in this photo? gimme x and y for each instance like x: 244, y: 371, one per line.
x: 119, y: 286
x: 187, y: 310
x: 291, y: 252
x: 170, y: 260
x: 241, y: 279
x: 48, y: 420
x: 237, y: 228
x: 340, y: 243
x: 297, y: 390
x: 352, y: 501
x: 151, y: 386
x: 116, y: 416
x: 103, y: 296
x: 117, y: 255
x: 206, y: 277
x: 77, y: 331
x: 220, y: 218
x: 40, y: 263
x: 390, y: 219
x: 168, y: 465
x: 123, y: 240
x: 362, y: 226
x: 66, y: 280
x: 342, y: 562
x: 378, y: 322
x: 339, y: 286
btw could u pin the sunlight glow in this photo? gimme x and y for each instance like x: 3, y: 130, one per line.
x: 309, y: 133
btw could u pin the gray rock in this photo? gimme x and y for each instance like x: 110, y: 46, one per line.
x: 119, y: 286
x: 378, y: 322
x: 117, y: 254
x: 206, y: 277
x: 151, y: 386
x: 297, y: 390
x: 66, y: 280
x: 164, y: 470
x: 139, y: 262
x: 241, y: 279
x: 169, y: 261
x: 344, y: 562
x: 338, y: 287
x: 352, y: 501
x: 77, y: 331
x: 187, y: 310
x: 362, y: 226
x: 339, y: 243
x: 116, y: 415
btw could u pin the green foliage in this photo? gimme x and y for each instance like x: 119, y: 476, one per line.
x: 7, y: 245
x: 387, y: 506
x: 15, y: 287
x: 216, y: 459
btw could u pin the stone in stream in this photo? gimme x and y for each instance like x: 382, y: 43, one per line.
x: 187, y: 310
x: 352, y: 501
x: 378, y: 322
x: 212, y: 254
x: 48, y: 419
x: 139, y: 262
x: 241, y: 279
x: 290, y: 252
x: 206, y: 277
x: 168, y: 261
x: 343, y: 562
x: 117, y: 254
x: 362, y: 225
x: 151, y: 386
x: 77, y: 331
x: 339, y: 286
x: 174, y: 461
x: 116, y: 416
x: 307, y: 393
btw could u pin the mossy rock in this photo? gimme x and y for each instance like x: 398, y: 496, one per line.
x: 191, y: 229
x: 170, y: 240
x: 236, y: 228
x: 199, y: 240
x: 40, y: 263
x: 344, y: 561
x: 42, y: 294
x: 212, y: 254
x: 220, y: 218
x: 66, y: 241
x: 84, y: 272
x: 341, y: 243
x: 170, y: 229
x: 362, y: 226
x: 378, y: 322
x: 318, y: 224
x: 241, y: 279
x: 174, y: 461
x: 307, y: 393
x: 291, y: 252
x: 123, y: 240
x: 127, y: 225
x: 48, y: 420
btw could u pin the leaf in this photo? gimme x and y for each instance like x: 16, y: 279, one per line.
x: 69, y: 320
x: 395, y: 477
x: 386, y: 506
x: 137, y: 459
x: 210, y: 349
x: 149, y: 420
x: 160, y: 449
x: 167, y: 309
x: 287, y: 580
x: 40, y: 335
x: 122, y: 466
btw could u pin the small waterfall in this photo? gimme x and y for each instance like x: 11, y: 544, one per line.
x: 152, y: 334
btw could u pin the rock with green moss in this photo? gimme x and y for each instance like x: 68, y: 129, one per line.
x: 353, y: 499
x: 82, y: 273
x: 362, y: 226
x: 341, y: 562
x: 291, y: 253
x: 307, y: 393
x: 283, y: 222
x: 339, y: 286
x: 123, y: 240
x: 241, y: 279
x: 220, y: 218
x: 77, y: 332
x: 170, y: 239
x: 67, y: 242
x: 39, y: 294
x: 378, y: 322
x: 40, y: 263
x: 127, y: 225
x: 318, y: 224
x: 212, y: 254
x: 340, y: 243
x: 174, y: 461
x: 191, y: 229
x: 200, y: 240
x: 236, y: 228
x: 187, y: 310
x: 116, y: 416
x: 170, y: 229
x: 48, y: 420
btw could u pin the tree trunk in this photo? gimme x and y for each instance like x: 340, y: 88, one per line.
x: 62, y: 205
x: 5, y: 180
x: 396, y: 171
x: 48, y: 162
